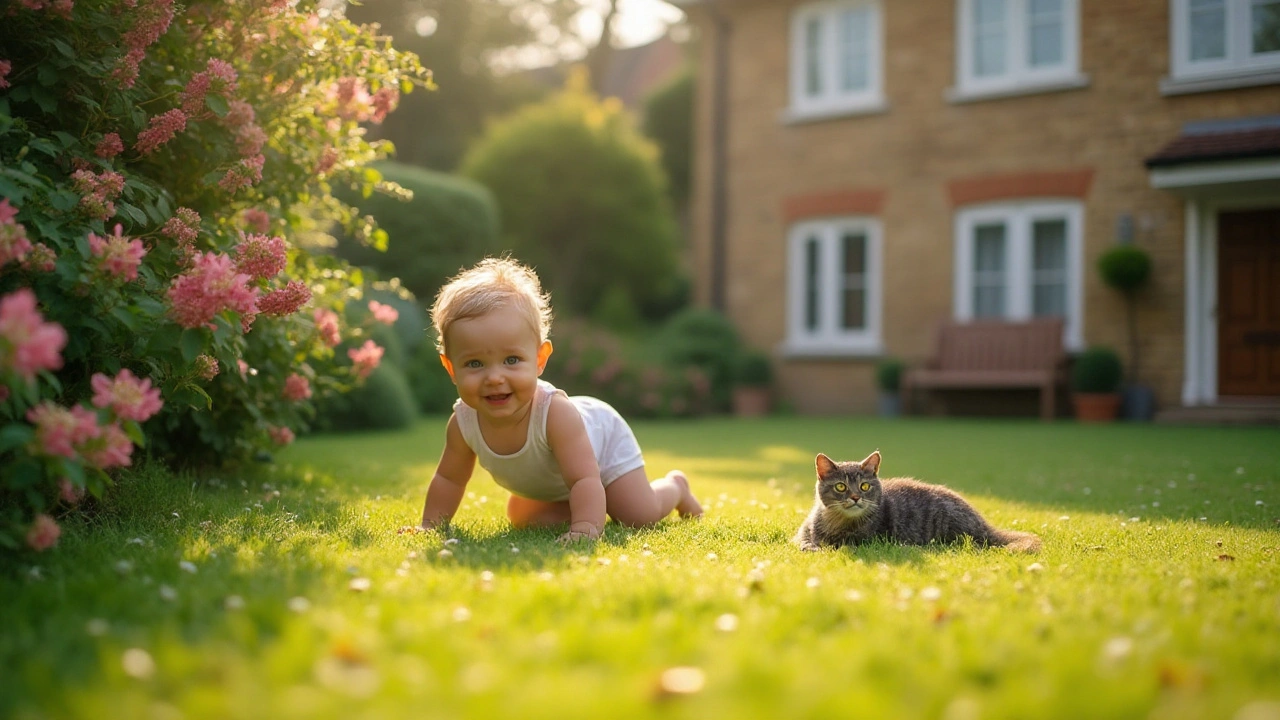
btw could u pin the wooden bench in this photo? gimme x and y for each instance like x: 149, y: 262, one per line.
x: 982, y: 354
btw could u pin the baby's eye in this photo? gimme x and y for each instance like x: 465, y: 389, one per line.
x: 841, y: 487
x: 865, y: 486
x: 512, y: 360
x: 473, y: 364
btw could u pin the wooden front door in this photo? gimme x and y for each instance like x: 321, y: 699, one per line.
x: 1249, y: 303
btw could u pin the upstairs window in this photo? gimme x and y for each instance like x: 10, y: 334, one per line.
x: 836, y: 58
x: 833, y: 287
x: 1009, y: 46
x: 1215, y: 38
x: 1016, y: 261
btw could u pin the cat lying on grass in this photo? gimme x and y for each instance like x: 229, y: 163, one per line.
x: 853, y: 505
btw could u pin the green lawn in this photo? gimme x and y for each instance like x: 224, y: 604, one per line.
x: 1157, y: 594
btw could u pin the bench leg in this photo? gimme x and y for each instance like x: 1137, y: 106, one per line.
x: 1047, y: 402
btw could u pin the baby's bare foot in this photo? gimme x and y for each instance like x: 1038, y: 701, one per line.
x: 688, y: 506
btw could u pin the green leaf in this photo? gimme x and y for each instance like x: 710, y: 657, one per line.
x: 26, y: 472
x: 193, y: 343
x: 45, y: 98
x: 217, y: 104
x: 47, y: 74
x: 64, y: 200
x: 126, y: 318
x: 134, y: 432
x: 134, y: 213
x: 165, y: 338
x: 72, y: 471
x: 64, y: 48
x: 13, y: 436
x: 66, y: 138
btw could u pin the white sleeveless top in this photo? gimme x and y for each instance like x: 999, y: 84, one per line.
x: 532, y: 471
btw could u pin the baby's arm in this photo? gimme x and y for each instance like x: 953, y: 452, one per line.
x: 568, y: 439
x: 444, y: 494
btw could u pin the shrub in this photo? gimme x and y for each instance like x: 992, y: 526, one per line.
x: 1125, y: 267
x: 668, y: 119
x: 384, y: 402
x: 704, y: 339
x: 164, y: 173
x: 432, y: 388
x: 1097, y: 370
x: 583, y: 200
x: 436, y: 224
x: 889, y: 374
x: 753, y: 369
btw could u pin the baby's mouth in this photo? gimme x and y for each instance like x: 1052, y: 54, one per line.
x: 497, y: 399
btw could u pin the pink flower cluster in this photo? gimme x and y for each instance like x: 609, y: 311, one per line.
x: 261, y: 257
x: 109, y: 146
x: 350, y: 100
x: 43, y: 533
x: 296, y: 388
x: 384, y: 314
x: 42, y: 258
x: 286, y: 300
x: 365, y: 359
x: 5, y: 68
x: 14, y: 243
x: 183, y: 228
x: 28, y: 344
x: 150, y: 22
x: 61, y: 7
x: 245, y: 172
x: 327, y: 326
x: 257, y: 220
x: 206, y: 367
x: 160, y: 130
x: 128, y: 397
x: 209, y: 287
x: 98, y: 191
x: 218, y: 78
x: 74, y: 433
x: 118, y: 256
x: 280, y: 435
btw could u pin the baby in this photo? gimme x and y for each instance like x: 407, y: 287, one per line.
x: 563, y: 459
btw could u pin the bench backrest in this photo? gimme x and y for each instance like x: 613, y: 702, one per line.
x: 994, y: 345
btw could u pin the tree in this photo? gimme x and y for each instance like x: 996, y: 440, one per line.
x: 583, y: 199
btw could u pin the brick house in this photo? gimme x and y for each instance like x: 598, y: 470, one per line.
x: 868, y: 168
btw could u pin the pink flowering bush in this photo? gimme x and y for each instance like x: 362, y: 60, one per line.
x: 166, y: 176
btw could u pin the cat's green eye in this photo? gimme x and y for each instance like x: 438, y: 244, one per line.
x: 841, y: 487
x: 865, y: 486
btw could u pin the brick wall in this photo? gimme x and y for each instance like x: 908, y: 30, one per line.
x: 914, y: 158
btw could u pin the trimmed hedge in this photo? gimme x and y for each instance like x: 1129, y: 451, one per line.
x: 448, y: 224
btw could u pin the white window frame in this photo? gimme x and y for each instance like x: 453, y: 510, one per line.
x: 829, y: 339
x: 1019, y: 77
x: 1018, y: 219
x: 832, y: 101
x: 1239, y: 60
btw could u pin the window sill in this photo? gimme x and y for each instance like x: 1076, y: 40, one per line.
x: 792, y: 350
x: 965, y: 95
x: 799, y: 116
x: 1228, y: 80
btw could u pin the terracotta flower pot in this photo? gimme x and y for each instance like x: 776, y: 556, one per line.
x: 1096, y: 407
x: 750, y: 401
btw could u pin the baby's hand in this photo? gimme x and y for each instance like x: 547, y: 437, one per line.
x: 411, y: 530
x: 580, y: 532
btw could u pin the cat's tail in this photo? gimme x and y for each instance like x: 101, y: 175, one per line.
x: 1015, y: 540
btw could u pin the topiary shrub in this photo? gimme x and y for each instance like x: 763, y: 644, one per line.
x: 1125, y: 267
x: 1097, y: 370
x: 753, y: 368
x: 704, y: 339
x: 583, y: 201
x: 889, y: 374
x: 435, y: 223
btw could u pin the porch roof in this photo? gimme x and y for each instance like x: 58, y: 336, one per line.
x: 1215, y: 140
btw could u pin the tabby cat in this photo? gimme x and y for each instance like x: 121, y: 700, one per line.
x: 853, y: 505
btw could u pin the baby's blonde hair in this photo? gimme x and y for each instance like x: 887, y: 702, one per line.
x: 493, y: 283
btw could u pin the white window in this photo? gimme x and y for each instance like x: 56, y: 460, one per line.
x: 1214, y: 38
x: 836, y: 64
x: 1015, y: 46
x: 833, y: 287
x: 1020, y: 260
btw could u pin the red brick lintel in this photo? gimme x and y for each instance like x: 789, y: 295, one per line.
x: 834, y: 202
x: 989, y: 188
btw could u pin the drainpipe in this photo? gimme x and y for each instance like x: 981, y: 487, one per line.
x: 719, y: 157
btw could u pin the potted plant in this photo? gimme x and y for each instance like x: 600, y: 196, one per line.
x: 889, y: 383
x: 1096, y: 375
x: 752, y: 382
x: 1127, y: 268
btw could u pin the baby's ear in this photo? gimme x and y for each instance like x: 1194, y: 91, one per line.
x: 447, y: 365
x: 872, y: 462
x: 824, y: 465
x: 544, y: 352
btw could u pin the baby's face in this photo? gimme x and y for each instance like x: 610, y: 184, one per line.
x: 495, y: 361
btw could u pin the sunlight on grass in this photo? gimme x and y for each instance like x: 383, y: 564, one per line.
x: 1157, y: 594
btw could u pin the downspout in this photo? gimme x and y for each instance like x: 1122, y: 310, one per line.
x: 719, y: 158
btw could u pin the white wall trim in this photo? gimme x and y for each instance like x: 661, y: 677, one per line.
x: 1213, y: 173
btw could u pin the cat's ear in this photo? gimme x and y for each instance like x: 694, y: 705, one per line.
x: 824, y: 465
x: 872, y: 462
